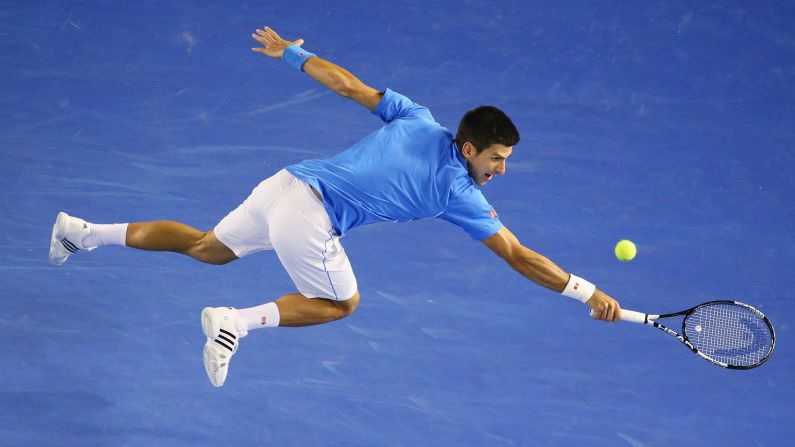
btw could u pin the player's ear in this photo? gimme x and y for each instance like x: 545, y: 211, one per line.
x: 468, y: 150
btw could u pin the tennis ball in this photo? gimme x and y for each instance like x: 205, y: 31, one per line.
x: 626, y: 250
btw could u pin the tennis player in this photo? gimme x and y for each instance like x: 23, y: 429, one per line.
x: 411, y: 168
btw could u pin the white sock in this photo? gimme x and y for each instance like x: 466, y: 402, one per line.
x: 265, y: 315
x: 101, y: 234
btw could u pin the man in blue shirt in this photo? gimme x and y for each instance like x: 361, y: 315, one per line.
x: 411, y: 168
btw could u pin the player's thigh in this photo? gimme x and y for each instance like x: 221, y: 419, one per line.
x: 317, y: 264
x: 309, y: 249
x: 245, y: 229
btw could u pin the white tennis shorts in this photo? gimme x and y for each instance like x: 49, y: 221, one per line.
x: 283, y: 214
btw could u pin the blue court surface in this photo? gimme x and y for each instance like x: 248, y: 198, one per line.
x: 668, y: 123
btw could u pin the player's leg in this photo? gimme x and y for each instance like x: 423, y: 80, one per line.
x: 300, y: 231
x: 225, y: 326
x: 313, y: 256
x: 71, y: 234
x: 177, y: 237
x: 297, y: 310
x: 243, y: 231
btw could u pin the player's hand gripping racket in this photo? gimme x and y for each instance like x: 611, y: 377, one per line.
x: 727, y: 333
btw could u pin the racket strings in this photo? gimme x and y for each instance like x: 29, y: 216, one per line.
x: 729, y: 333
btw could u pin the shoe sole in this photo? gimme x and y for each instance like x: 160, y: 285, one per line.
x: 211, y: 328
x: 211, y: 358
x: 57, y: 233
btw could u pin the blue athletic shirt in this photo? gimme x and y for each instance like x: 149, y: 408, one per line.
x: 408, y: 169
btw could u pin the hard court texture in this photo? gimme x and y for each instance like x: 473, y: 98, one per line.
x: 666, y: 123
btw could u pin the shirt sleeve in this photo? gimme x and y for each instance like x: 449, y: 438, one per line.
x: 395, y: 106
x: 471, y: 211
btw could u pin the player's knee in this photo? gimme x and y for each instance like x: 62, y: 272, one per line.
x: 346, y: 307
x: 210, y: 250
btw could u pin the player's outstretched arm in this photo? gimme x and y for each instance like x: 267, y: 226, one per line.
x: 542, y: 271
x: 336, y: 78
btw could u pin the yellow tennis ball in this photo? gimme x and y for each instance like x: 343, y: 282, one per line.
x: 626, y: 250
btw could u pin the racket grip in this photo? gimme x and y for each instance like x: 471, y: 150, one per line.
x: 633, y: 317
x: 630, y: 316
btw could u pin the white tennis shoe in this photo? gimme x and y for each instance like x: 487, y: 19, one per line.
x: 67, y: 237
x: 223, y: 338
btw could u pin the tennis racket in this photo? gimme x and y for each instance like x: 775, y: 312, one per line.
x: 730, y: 334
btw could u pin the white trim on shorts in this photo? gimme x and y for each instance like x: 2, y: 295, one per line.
x: 283, y: 214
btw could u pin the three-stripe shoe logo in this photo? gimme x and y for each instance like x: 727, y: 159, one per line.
x: 227, y: 339
x: 69, y: 246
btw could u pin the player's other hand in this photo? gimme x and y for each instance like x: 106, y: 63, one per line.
x: 603, y: 307
x: 272, y: 44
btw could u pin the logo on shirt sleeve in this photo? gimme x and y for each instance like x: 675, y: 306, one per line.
x: 493, y: 213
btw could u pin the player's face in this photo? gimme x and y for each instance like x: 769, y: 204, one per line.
x: 488, y: 163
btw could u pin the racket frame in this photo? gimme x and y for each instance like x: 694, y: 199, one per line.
x: 650, y: 319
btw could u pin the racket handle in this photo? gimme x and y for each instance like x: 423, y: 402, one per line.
x: 630, y: 316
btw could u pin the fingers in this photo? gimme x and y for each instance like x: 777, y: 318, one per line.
x: 272, y: 43
x: 266, y: 36
x: 606, y: 309
x: 610, y: 312
x: 615, y: 313
x: 603, y: 314
x: 271, y: 33
x: 262, y: 38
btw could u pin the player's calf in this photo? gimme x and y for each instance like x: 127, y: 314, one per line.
x: 177, y: 237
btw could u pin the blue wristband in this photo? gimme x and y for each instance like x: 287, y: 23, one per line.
x: 296, y: 56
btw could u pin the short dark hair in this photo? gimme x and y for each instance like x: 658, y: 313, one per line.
x: 484, y: 126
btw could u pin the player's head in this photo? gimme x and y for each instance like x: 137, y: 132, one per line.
x: 484, y: 126
x: 486, y: 137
